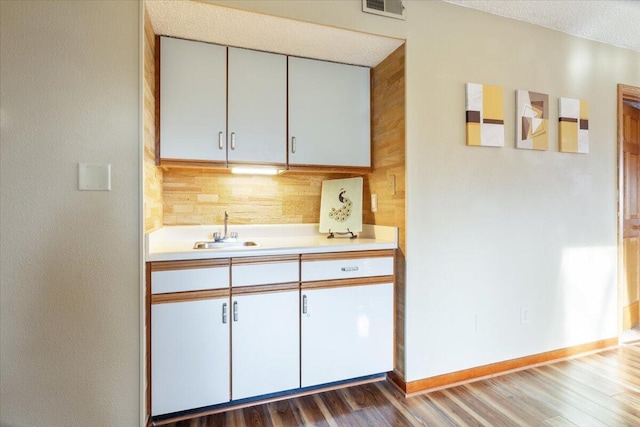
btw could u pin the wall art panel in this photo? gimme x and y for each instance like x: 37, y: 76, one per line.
x: 532, y: 120
x: 485, y: 115
x: 573, y: 125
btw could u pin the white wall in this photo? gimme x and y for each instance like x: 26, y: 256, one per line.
x: 69, y: 260
x: 491, y: 230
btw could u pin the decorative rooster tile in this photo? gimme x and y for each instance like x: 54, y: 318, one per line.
x: 341, y: 206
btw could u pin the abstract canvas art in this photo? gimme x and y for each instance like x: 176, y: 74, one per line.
x: 485, y: 115
x: 573, y: 126
x: 532, y: 120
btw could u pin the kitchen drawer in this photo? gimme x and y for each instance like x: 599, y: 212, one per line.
x: 168, y: 280
x: 346, y: 268
x: 264, y: 271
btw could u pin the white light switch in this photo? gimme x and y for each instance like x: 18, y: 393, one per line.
x: 94, y: 177
x: 374, y: 203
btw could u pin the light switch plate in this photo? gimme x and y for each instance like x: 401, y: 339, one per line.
x: 94, y: 177
x: 391, y: 184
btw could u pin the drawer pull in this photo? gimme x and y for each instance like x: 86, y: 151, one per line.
x: 349, y: 268
x: 224, y: 313
x: 220, y: 145
x: 233, y: 140
x: 293, y: 145
x: 235, y: 311
x: 304, y: 304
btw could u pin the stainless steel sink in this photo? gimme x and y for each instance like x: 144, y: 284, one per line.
x: 220, y: 245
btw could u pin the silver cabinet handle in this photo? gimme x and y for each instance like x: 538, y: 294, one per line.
x: 293, y: 144
x: 304, y: 304
x: 347, y: 269
x: 235, y: 311
x: 233, y: 140
x: 224, y: 313
x: 220, y: 141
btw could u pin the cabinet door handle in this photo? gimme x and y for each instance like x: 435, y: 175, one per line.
x: 224, y: 313
x: 233, y: 140
x: 348, y: 269
x: 293, y: 144
x: 304, y: 304
x: 235, y: 311
x: 220, y: 141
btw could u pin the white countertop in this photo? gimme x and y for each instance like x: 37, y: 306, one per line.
x: 172, y: 243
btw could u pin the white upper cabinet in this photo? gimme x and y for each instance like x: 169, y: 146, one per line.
x: 193, y: 100
x: 257, y: 107
x: 329, y: 114
x: 328, y: 108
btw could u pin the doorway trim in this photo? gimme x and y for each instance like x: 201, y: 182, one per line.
x: 625, y: 93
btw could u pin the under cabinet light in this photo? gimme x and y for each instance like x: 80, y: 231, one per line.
x: 254, y: 171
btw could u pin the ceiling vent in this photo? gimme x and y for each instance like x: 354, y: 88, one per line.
x: 390, y: 8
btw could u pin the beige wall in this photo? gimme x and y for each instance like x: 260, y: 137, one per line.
x: 492, y: 230
x: 69, y: 275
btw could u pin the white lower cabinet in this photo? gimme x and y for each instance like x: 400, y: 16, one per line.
x: 265, y: 343
x: 226, y: 330
x: 189, y: 355
x: 347, y: 332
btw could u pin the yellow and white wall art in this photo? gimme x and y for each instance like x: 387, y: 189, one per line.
x: 573, y: 125
x: 532, y: 120
x: 485, y: 115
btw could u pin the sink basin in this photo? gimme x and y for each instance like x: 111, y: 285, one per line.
x: 219, y: 245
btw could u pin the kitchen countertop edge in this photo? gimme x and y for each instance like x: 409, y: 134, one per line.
x: 173, y: 246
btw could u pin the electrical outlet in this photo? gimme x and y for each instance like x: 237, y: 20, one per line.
x: 374, y: 203
x: 524, y: 315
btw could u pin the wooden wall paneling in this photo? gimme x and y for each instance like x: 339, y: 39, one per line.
x: 153, y: 209
x: 388, y: 139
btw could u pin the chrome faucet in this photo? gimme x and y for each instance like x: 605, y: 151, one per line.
x: 227, y: 237
x: 226, y: 221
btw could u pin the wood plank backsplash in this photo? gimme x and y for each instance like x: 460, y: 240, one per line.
x: 200, y: 196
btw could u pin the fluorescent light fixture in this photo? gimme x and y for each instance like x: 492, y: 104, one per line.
x: 254, y: 171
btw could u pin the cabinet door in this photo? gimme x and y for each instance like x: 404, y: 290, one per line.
x: 193, y: 100
x: 347, y: 332
x: 265, y: 343
x: 257, y: 107
x: 329, y: 110
x: 189, y: 355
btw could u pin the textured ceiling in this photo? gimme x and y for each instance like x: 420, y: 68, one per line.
x: 615, y: 22
x: 210, y: 23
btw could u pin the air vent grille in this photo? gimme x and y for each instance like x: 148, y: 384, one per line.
x: 375, y: 4
x: 390, y: 8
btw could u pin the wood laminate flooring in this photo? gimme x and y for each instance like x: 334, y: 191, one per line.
x: 601, y: 389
